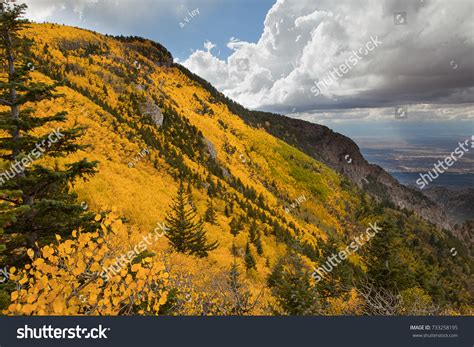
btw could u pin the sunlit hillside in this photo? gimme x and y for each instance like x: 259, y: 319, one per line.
x: 151, y: 127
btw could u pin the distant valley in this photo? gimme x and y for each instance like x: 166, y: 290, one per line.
x: 405, y: 159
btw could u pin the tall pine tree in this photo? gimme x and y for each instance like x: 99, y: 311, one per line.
x: 291, y: 285
x: 235, y: 226
x: 255, y: 237
x: 185, y: 233
x: 249, y: 260
x: 210, y: 216
x: 35, y: 200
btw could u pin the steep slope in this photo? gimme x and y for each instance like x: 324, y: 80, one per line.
x: 151, y: 124
x: 115, y: 91
x: 336, y: 150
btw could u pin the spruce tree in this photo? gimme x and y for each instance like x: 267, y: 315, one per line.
x: 35, y: 200
x: 278, y: 232
x: 335, y: 284
x: 189, y: 193
x: 226, y: 211
x: 253, y: 231
x: 258, y: 245
x: 291, y: 285
x: 248, y: 258
x: 186, y: 234
x: 234, y: 250
x: 254, y: 237
x: 235, y: 226
x: 385, y: 266
x: 211, y: 190
x: 210, y: 216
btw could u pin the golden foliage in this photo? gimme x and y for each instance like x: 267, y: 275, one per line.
x: 63, y: 277
x: 67, y: 278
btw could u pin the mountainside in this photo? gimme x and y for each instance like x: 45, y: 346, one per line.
x: 283, y: 194
x: 339, y: 153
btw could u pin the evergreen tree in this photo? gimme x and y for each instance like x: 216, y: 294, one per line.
x: 253, y: 231
x: 211, y: 190
x: 210, y: 216
x: 290, y: 283
x: 261, y: 201
x: 342, y: 273
x: 386, y: 268
x: 235, y: 226
x: 35, y: 200
x: 255, y: 238
x: 258, y: 245
x: 189, y: 193
x: 248, y: 258
x: 185, y: 234
x: 234, y: 250
x: 278, y: 232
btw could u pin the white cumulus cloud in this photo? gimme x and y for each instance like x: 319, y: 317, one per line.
x: 428, y: 60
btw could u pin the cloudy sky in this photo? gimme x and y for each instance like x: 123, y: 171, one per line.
x: 270, y: 54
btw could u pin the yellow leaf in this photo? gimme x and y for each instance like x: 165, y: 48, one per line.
x: 30, y: 253
x: 98, y: 217
x: 58, y: 306
x: 27, y: 309
x: 14, y: 296
x: 58, y: 237
x: 162, y: 300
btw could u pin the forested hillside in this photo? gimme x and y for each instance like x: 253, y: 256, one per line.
x: 209, y: 214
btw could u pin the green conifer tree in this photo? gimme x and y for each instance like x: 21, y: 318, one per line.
x: 234, y: 250
x: 235, y: 226
x: 35, y: 200
x: 226, y: 211
x: 189, y: 193
x: 249, y: 260
x: 253, y: 232
x: 186, y: 234
x: 210, y: 216
x: 385, y: 266
x: 255, y: 237
x: 290, y: 283
x: 258, y: 245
